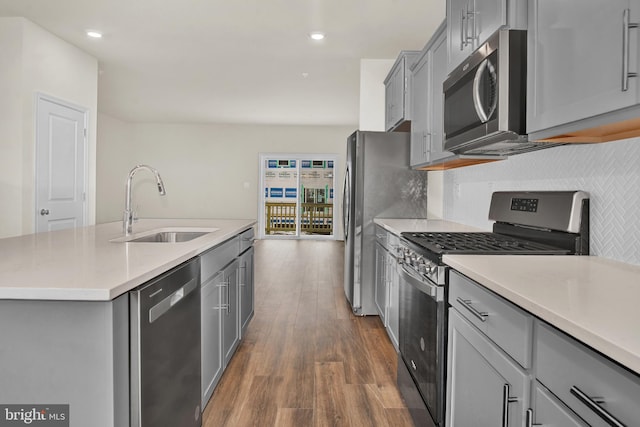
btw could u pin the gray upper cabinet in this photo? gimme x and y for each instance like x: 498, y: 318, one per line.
x: 397, y: 100
x: 471, y: 22
x: 420, y: 76
x: 427, y: 101
x: 581, y: 58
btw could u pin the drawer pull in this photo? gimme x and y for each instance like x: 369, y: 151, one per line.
x: 506, y: 399
x: 592, y: 403
x: 466, y: 303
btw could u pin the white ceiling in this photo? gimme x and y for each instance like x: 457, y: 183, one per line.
x: 237, y: 61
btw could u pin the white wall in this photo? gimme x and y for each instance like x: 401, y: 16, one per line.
x: 372, y: 93
x: 610, y: 172
x: 11, y: 139
x: 204, y: 167
x: 39, y: 62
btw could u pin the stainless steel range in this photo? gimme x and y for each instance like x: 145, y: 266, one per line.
x: 526, y: 223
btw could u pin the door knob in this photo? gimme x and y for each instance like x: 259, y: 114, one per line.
x: 44, y: 212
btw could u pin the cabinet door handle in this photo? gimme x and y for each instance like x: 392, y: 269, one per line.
x: 506, y: 399
x: 593, y: 404
x: 462, y: 39
x: 626, y: 26
x: 466, y: 303
x: 471, y: 14
x: 529, y: 419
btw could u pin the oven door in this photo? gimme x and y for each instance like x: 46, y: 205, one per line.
x: 423, y: 326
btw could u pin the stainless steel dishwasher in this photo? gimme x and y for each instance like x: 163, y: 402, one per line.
x: 165, y: 349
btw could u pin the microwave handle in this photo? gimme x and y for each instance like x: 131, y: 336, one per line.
x: 480, y: 111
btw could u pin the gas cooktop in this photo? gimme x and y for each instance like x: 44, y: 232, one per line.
x: 479, y: 244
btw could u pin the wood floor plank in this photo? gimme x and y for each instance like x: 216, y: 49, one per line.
x: 294, y: 417
x: 306, y: 360
x: 330, y: 404
x: 260, y: 407
x: 365, y: 409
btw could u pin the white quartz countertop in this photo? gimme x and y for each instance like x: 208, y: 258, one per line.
x: 83, y: 264
x: 397, y: 226
x: 593, y: 299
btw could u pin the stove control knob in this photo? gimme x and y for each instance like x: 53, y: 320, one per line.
x: 431, y: 268
x: 423, y: 267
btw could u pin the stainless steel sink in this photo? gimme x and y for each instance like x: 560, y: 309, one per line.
x: 166, y: 235
x: 170, y: 236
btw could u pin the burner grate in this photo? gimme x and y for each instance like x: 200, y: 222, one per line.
x: 478, y: 243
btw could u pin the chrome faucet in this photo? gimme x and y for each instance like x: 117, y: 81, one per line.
x: 128, y: 211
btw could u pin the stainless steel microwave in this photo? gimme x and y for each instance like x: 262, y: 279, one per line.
x: 485, y: 99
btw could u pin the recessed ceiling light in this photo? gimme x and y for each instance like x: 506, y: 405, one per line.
x: 94, y: 34
x: 317, y: 35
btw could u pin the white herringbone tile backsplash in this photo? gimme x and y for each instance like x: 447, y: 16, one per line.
x: 609, y: 172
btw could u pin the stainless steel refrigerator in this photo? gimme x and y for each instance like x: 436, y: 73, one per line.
x: 378, y: 183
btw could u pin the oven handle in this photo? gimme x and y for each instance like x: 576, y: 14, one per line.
x: 423, y: 285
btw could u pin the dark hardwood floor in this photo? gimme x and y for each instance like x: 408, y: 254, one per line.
x: 306, y: 360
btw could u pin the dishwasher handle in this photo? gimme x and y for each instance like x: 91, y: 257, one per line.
x: 165, y: 305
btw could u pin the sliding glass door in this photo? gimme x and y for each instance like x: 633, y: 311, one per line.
x: 297, y: 195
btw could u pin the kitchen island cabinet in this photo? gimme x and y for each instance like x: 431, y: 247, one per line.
x: 64, y: 312
x: 73, y: 353
x: 247, y: 290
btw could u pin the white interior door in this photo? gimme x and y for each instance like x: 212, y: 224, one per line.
x: 61, y: 165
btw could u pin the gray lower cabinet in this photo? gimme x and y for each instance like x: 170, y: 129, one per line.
x: 393, y: 299
x: 499, y: 355
x: 485, y: 387
x: 230, y: 312
x: 226, y: 306
x: 381, y: 282
x: 247, y: 290
x: 595, y: 389
x: 211, y: 336
x: 566, y: 84
x: 387, y: 283
x: 549, y: 411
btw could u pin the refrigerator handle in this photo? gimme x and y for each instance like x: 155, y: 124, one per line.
x: 346, y: 200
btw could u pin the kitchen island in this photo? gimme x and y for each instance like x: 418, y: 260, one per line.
x: 64, y: 312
